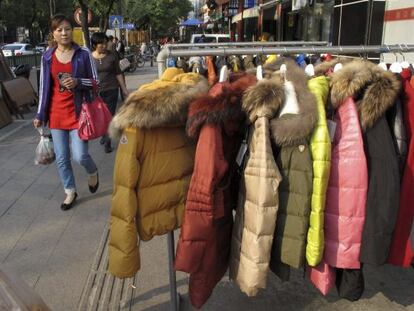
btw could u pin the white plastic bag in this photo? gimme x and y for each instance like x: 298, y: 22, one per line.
x: 45, y: 153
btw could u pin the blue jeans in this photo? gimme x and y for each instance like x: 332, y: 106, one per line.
x: 61, y: 140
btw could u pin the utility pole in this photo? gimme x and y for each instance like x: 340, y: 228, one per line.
x: 240, y: 24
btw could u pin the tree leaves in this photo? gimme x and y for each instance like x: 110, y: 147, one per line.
x: 162, y: 15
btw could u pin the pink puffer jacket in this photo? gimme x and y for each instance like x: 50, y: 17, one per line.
x: 346, y: 198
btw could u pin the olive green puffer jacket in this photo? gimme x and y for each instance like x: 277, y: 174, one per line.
x: 291, y: 132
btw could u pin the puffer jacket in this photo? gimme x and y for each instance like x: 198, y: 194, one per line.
x: 291, y: 132
x: 395, y: 118
x: 258, y: 196
x: 204, y: 246
x: 348, y: 181
x: 153, y: 166
x: 347, y: 187
x: 402, y: 252
x: 377, y: 90
x: 320, y: 146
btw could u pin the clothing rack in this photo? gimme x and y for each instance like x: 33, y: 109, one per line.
x: 246, y: 44
x: 261, y: 49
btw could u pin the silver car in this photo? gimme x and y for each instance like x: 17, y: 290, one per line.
x: 18, y: 49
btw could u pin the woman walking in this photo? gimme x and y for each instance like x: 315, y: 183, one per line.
x: 67, y: 75
x: 110, y: 77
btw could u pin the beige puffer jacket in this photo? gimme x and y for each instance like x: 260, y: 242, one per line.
x: 258, y: 198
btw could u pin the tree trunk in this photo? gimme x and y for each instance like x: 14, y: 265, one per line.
x: 84, y: 21
x: 103, y: 23
x: 52, y: 8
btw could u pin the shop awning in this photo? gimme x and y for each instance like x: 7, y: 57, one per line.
x: 251, y: 13
x: 191, y: 22
x: 237, y: 18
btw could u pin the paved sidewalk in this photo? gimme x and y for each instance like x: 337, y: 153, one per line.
x: 54, y: 251
x: 50, y: 249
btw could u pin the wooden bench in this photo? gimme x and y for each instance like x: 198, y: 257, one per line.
x: 102, y: 290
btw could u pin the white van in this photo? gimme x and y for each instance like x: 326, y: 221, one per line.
x: 210, y: 38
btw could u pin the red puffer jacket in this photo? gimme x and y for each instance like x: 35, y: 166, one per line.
x: 402, y: 251
x: 204, y: 245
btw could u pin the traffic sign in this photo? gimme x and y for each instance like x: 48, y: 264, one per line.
x: 116, y: 21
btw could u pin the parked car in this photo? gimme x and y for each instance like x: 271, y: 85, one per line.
x: 18, y: 49
x: 41, y: 47
x: 210, y: 38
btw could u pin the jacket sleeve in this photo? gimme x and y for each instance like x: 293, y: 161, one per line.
x: 88, y: 83
x: 41, y: 108
x: 258, y: 218
x: 320, y: 148
x: 124, y: 259
x: 202, y: 199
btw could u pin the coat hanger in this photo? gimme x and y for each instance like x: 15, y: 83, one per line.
x: 382, y: 64
x: 224, y: 74
x: 290, y: 105
x: 396, y: 66
x: 310, y: 70
x: 404, y: 63
x: 259, y: 73
x: 337, y: 67
x: 283, y: 70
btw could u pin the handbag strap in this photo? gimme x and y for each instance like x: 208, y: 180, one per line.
x: 94, y: 88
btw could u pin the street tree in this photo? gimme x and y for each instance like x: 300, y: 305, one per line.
x: 83, y: 4
x: 161, y: 15
x: 33, y: 15
x: 102, y: 8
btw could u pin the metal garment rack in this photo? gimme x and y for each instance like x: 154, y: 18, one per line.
x: 245, y: 44
x: 225, y: 51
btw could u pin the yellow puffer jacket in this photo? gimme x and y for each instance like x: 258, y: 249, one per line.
x: 153, y: 165
x: 321, y: 154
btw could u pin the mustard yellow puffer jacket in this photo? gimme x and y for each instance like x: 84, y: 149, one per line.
x: 320, y: 146
x: 153, y: 166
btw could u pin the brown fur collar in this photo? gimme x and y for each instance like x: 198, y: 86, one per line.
x: 164, y: 105
x: 323, y: 68
x: 222, y: 104
x: 292, y: 129
x: 263, y: 99
x: 373, y: 89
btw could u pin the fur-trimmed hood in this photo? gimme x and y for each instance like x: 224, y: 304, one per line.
x: 373, y: 89
x: 221, y: 105
x: 161, y: 103
x: 291, y: 129
x: 263, y: 99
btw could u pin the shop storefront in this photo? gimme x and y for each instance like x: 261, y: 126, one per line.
x: 341, y: 22
x: 297, y: 20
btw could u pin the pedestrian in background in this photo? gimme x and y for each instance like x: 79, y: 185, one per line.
x: 110, y: 77
x: 67, y: 75
x: 110, y: 44
x: 120, y: 48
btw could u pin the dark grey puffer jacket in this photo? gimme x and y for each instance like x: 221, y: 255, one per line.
x: 398, y: 132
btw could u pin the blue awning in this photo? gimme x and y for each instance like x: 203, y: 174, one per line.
x: 191, y: 22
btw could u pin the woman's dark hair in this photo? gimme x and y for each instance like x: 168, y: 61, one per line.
x: 98, y: 38
x: 54, y: 23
